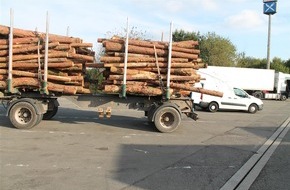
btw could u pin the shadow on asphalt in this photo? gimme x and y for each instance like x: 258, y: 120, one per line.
x: 75, y: 116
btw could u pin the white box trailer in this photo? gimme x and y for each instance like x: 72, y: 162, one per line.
x: 261, y: 83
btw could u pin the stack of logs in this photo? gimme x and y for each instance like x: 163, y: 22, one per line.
x: 67, y: 57
x: 147, y: 66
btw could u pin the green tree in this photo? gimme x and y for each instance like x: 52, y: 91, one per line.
x: 287, y: 64
x: 279, y: 65
x: 181, y: 35
x: 250, y: 62
x: 214, y: 49
x: 95, y: 77
x: 217, y: 50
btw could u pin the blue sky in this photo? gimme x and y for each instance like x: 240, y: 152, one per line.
x: 242, y: 21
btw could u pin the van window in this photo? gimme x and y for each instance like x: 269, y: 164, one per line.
x: 240, y: 93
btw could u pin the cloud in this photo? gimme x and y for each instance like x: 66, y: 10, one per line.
x: 209, y: 5
x: 174, y: 6
x: 247, y: 19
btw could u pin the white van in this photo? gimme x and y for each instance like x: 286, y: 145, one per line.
x: 233, y: 98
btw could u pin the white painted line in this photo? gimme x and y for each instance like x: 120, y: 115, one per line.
x: 237, y: 178
x: 251, y: 177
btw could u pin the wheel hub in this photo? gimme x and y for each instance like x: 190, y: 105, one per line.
x: 24, y: 115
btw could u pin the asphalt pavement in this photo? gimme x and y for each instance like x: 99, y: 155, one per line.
x: 77, y: 150
x: 276, y: 173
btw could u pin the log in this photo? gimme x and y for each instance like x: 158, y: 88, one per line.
x: 81, y: 57
x: 131, y: 71
x: 176, y: 71
x: 3, y: 77
x: 195, y: 89
x: 27, y: 48
x: 50, y: 65
x: 111, y: 46
x: 134, y: 89
x: 35, y: 56
x: 81, y: 45
x: 153, y: 77
x: 4, y: 30
x: 94, y: 65
x: 108, y: 59
x: 3, y: 85
x: 32, y: 82
x: 183, y: 46
x: 161, y: 65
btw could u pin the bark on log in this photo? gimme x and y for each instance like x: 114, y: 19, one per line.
x: 3, y: 77
x: 34, y: 56
x: 153, y: 76
x: 111, y: 46
x: 32, y: 82
x: 176, y: 71
x: 195, y: 89
x: 95, y: 65
x: 50, y: 65
x: 131, y: 71
x: 108, y: 59
x: 81, y: 57
x: 176, y: 46
x: 161, y: 65
x: 3, y: 85
x: 185, y: 44
x: 27, y: 48
x: 134, y: 89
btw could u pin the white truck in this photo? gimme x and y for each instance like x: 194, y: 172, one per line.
x: 261, y: 83
x: 233, y: 98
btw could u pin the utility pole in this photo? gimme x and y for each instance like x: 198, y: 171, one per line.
x: 269, y: 9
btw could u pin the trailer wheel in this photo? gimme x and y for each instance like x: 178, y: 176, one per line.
x: 213, y: 107
x: 52, y: 111
x: 23, y: 115
x: 283, y: 97
x: 167, y: 119
x: 253, y: 108
x: 258, y: 94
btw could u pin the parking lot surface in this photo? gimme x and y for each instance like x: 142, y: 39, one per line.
x: 77, y: 150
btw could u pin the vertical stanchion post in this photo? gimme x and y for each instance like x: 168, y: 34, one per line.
x: 67, y: 31
x: 44, y: 87
x: 169, y: 63
x: 125, y: 62
x: 9, y: 80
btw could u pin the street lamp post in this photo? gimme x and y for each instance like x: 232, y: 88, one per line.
x: 269, y: 9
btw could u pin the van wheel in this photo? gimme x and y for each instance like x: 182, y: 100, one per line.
x: 213, y: 107
x: 253, y: 108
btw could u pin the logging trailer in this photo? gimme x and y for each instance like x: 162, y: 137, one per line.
x: 27, y: 109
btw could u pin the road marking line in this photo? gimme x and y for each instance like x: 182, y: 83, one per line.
x: 248, y: 173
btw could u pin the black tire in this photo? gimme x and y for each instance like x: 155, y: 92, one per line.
x: 253, y: 108
x: 40, y: 118
x: 50, y: 113
x: 167, y: 119
x: 258, y: 94
x: 53, y: 110
x: 23, y: 115
x: 213, y: 107
x: 283, y: 97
